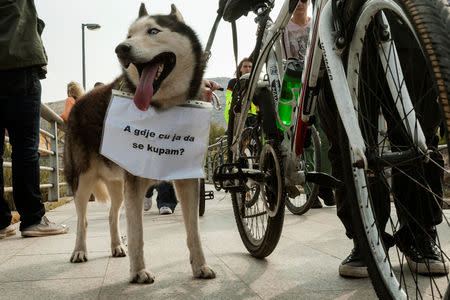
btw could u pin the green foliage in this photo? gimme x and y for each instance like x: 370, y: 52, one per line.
x: 215, y: 132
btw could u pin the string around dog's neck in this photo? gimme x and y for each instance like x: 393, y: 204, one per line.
x: 121, y: 85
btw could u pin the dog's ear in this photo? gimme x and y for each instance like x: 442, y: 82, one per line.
x: 174, y: 12
x: 142, y: 11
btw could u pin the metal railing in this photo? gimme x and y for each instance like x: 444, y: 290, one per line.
x: 215, y: 157
x: 51, y: 132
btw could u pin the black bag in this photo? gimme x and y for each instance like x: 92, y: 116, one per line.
x: 236, y: 8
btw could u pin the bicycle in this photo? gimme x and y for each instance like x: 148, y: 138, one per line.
x: 203, y: 194
x: 310, y: 161
x: 358, y: 51
x: 301, y: 196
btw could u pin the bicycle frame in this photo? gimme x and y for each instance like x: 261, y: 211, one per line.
x: 321, y: 30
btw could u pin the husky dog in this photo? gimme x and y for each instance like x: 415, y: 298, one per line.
x: 162, y: 65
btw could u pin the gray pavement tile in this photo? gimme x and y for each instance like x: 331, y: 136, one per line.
x: 321, y: 294
x: 52, y: 289
x: 293, y: 269
x: 4, y: 258
x: 15, y: 242
x: 303, y: 266
x: 174, y: 279
x: 65, y: 243
x: 52, y: 266
x: 326, y: 238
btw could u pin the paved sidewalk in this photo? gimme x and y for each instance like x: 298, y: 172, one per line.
x: 303, y: 266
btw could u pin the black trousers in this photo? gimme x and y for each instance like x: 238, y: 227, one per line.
x: 166, y: 195
x: 20, y: 112
x: 422, y: 206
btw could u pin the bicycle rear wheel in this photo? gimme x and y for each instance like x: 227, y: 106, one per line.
x: 310, y: 161
x: 399, y: 224
x: 259, y: 222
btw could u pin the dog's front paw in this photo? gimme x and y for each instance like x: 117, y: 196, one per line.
x: 78, y: 256
x: 204, y: 272
x: 143, y: 276
x: 119, y: 251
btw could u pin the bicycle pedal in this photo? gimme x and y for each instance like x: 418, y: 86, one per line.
x: 323, y: 179
x: 292, y: 191
x: 225, y: 175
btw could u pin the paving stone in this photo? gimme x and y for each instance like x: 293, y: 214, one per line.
x: 304, y: 264
x: 52, y: 289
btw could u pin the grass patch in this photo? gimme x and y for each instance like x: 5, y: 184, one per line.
x: 215, y: 132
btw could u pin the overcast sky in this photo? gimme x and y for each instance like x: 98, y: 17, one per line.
x: 62, y: 37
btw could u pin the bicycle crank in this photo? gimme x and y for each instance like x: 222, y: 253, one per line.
x: 234, y: 178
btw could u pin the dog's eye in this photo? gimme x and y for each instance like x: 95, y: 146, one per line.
x: 129, y: 37
x: 153, y: 31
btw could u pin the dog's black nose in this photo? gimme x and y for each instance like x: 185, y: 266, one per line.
x: 123, y: 48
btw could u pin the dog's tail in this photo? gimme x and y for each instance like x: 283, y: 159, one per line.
x: 69, y: 170
x: 101, y: 192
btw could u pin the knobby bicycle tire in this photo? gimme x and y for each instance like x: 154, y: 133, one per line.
x: 414, y: 224
x: 303, y: 202
x: 257, y: 244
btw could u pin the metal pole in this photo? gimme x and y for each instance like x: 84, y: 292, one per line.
x: 84, y: 68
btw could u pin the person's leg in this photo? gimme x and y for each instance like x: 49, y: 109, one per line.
x: 6, y: 228
x: 353, y: 265
x: 308, y: 155
x: 148, y: 198
x: 23, y: 119
x: 263, y: 99
x: 325, y: 193
x: 149, y: 192
x: 330, y: 123
x: 5, y: 211
x: 166, y: 196
x: 423, y: 208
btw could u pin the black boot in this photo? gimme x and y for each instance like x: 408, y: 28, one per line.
x: 326, y: 194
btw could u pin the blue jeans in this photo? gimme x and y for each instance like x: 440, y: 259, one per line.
x: 20, y: 112
x: 166, y: 195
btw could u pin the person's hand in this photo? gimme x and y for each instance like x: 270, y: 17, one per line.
x: 210, y: 87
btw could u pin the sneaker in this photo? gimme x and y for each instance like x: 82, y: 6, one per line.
x: 353, y: 266
x: 316, y: 203
x: 7, y: 231
x: 147, y: 203
x: 326, y: 194
x: 426, y: 258
x: 165, y: 210
x: 44, y: 228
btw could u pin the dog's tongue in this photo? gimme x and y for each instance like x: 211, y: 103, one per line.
x: 144, y: 91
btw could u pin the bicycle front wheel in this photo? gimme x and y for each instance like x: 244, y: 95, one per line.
x: 258, y: 208
x: 307, y: 193
x: 399, y: 224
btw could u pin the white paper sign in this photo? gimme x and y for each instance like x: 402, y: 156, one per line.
x: 157, y: 144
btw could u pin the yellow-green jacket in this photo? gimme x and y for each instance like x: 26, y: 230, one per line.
x: 228, y: 96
